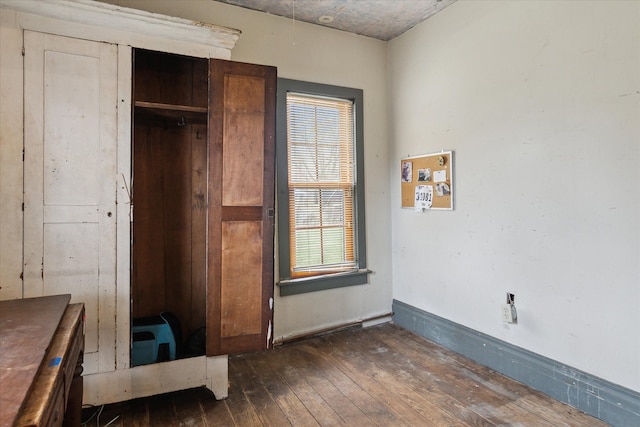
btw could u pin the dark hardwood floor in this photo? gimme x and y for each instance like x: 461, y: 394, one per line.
x: 377, y: 376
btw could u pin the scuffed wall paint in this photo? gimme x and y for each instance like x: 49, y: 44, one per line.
x: 540, y: 102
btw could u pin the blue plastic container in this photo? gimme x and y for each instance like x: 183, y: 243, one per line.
x: 152, y: 341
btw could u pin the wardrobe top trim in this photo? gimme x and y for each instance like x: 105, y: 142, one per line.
x: 123, y: 19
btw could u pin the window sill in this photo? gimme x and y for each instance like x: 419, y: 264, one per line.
x: 321, y: 283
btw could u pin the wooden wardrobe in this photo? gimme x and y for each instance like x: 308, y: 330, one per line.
x: 104, y: 90
x: 203, y: 197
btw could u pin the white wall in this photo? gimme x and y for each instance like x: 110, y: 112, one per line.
x: 541, y: 103
x: 316, y: 54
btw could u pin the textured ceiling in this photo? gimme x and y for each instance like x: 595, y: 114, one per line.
x: 380, y: 19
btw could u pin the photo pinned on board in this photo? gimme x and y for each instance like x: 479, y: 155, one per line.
x: 407, y: 171
x: 442, y: 189
x: 424, y: 175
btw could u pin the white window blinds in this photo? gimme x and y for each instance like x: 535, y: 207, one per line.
x: 320, y: 135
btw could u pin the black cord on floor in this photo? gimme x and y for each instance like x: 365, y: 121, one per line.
x: 96, y: 414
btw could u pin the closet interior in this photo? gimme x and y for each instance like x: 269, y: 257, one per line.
x: 169, y: 193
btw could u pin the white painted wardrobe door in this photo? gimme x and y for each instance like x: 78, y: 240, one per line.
x: 70, y: 181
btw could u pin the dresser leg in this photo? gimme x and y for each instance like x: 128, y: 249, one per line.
x: 73, y: 413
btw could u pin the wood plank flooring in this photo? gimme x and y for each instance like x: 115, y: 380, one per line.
x: 378, y: 376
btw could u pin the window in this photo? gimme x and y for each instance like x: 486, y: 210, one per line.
x: 320, y: 180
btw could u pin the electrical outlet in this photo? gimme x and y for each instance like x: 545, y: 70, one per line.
x: 509, y: 313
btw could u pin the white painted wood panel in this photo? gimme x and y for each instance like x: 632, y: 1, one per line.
x: 157, y: 378
x: 11, y: 172
x: 70, y: 181
x: 71, y: 129
x: 123, y: 208
x: 71, y: 265
x: 95, y: 20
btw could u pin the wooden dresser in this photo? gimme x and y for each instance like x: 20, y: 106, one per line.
x: 41, y: 354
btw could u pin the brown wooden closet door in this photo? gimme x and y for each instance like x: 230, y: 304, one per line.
x: 241, y: 180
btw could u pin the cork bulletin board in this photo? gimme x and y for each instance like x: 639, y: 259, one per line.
x: 427, y: 181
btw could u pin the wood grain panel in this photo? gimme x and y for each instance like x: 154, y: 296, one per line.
x: 198, y: 228
x: 241, y: 190
x: 170, y: 222
x: 177, y: 201
x: 148, y: 279
x: 171, y: 113
x: 243, y: 165
x: 170, y: 79
x: 200, y: 82
x: 235, y: 213
x: 241, y: 298
x: 170, y: 187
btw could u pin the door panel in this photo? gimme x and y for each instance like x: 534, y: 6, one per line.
x: 241, y: 270
x: 240, y: 212
x: 70, y: 181
x: 243, y: 160
x: 73, y: 247
x: 72, y: 139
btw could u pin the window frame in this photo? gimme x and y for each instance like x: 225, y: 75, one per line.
x: 359, y: 276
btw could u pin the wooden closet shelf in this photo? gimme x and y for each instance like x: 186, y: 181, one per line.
x: 172, y: 112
